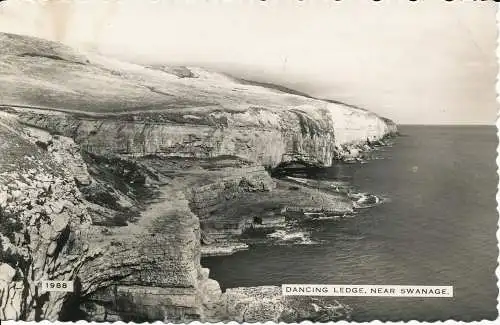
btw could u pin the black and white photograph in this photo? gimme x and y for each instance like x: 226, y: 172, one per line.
x: 248, y: 161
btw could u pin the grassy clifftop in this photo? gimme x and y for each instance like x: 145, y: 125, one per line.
x: 48, y: 74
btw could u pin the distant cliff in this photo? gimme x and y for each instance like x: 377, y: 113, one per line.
x: 109, y: 170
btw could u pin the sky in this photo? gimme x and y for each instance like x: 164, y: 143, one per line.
x: 421, y: 62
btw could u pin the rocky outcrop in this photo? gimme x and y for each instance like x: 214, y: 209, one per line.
x: 261, y: 304
x: 48, y: 234
x: 113, y: 175
x: 42, y: 212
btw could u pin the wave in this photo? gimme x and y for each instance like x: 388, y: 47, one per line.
x: 319, y: 216
x: 296, y: 237
x: 366, y: 200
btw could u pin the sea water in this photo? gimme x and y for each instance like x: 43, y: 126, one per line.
x: 437, y: 227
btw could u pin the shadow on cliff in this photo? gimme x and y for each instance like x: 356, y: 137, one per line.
x: 71, y: 311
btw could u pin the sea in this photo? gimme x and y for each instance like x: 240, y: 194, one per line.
x: 436, y: 226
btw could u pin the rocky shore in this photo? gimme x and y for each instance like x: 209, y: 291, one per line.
x: 119, y: 177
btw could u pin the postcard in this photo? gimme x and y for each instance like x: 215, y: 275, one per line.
x: 248, y: 161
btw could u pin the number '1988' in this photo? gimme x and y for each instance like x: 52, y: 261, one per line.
x: 64, y: 286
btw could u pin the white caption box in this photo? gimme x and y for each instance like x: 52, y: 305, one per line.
x: 58, y: 286
x: 367, y: 290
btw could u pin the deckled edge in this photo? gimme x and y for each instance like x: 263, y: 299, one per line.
x: 497, y: 88
x: 374, y: 322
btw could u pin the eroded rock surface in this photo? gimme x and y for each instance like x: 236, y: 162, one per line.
x: 42, y: 213
x: 261, y: 304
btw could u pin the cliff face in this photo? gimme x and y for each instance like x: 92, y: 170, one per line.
x: 193, y: 112
x: 112, y: 175
x: 265, y: 135
x: 42, y: 212
x: 48, y: 233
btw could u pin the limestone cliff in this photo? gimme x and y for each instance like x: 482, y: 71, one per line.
x: 114, y: 107
x: 112, y: 175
